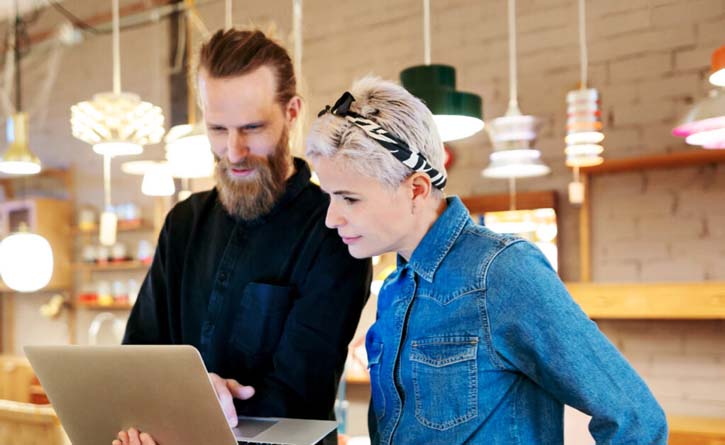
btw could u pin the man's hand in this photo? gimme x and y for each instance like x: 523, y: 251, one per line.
x: 226, y: 390
x: 133, y: 437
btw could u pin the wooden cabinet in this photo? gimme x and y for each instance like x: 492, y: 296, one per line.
x: 49, y: 218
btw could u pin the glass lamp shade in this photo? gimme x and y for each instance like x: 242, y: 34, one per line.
x: 19, y: 159
x: 513, y: 155
x: 158, y: 182
x: 457, y: 114
x: 157, y: 178
x: 704, y: 124
x: 717, y: 75
x: 188, y: 152
x: 583, y: 129
x: 26, y: 262
x: 524, y: 163
x: 117, y: 124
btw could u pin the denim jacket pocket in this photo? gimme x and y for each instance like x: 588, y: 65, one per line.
x: 260, y: 318
x: 445, y: 377
x: 375, y: 362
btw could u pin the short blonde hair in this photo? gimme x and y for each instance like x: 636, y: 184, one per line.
x: 395, y: 110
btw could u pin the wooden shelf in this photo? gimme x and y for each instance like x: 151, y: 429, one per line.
x: 687, y: 430
x: 111, y: 266
x: 676, y: 301
x: 104, y: 307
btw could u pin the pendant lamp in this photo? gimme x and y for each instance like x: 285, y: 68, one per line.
x: 514, y: 134
x: 457, y: 114
x: 18, y: 159
x: 583, y: 119
x: 117, y: 123
x: 704, y: 123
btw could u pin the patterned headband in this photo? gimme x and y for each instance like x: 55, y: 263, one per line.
x: 396, y: 146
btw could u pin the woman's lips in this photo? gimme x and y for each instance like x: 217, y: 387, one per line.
x: 350, y: 239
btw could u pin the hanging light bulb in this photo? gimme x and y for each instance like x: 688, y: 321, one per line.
x: 457, y: 114
x: 117, y: 123
x: 717, y: 76
x: 513, y: 135
x: 26, y: 261
x: 19, y: 159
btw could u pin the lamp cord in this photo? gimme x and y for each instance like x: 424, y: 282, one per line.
x: 297, y: 35
x: 513, y: 108
x: 116, y: 50
x: 228, y: 14
x: 107, y: 182
x: 426, y: 32
x: 584, y: 56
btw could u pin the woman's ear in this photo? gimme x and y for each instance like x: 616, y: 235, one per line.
x: 420, y: 187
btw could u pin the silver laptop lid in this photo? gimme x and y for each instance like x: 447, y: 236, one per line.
x: 99, y: 390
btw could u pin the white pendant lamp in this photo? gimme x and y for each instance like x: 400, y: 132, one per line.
x: 26, y: 261
x: 117, y: 123
x: 514, y: 134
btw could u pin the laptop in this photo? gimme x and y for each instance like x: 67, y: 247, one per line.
x: 98, y: 391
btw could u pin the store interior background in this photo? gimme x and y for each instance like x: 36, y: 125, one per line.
x: 648, y: 58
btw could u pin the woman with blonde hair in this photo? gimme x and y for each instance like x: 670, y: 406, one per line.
x: 476, y: 339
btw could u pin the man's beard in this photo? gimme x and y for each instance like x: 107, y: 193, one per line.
x: 250, y: 198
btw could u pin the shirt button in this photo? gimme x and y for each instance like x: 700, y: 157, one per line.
x: 223, y: 276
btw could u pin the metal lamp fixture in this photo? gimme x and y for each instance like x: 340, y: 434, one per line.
x: 514, y: 134
x: 18, y: 159
x: 457, y: 114
x: 117, y: 123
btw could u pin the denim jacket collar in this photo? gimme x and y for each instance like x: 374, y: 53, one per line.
x: 434, y: 246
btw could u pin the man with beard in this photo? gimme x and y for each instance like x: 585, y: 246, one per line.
x: 247, y: 272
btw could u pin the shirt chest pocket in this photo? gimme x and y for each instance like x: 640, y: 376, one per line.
x: 260, y: 318
x: 445, y: 379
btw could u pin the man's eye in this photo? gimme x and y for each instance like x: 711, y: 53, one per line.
x: 217, y: 129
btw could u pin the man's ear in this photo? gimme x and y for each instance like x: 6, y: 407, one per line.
x: 293, y: 109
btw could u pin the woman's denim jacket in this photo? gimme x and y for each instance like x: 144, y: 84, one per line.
x: 478, y: 341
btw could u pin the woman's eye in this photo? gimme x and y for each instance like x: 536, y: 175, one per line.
x: 350, y: 200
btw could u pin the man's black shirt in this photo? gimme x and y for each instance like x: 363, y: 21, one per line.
x: 272, y: 303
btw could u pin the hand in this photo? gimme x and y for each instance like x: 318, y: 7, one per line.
x: 133, y: 437
x: 226, y: 390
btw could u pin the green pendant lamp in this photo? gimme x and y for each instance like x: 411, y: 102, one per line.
x: 457, y: 114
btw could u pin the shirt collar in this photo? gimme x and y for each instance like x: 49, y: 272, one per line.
x: 436, y: 244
